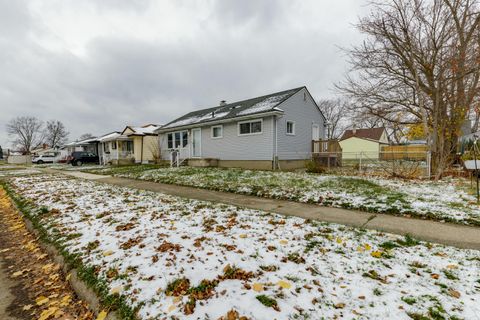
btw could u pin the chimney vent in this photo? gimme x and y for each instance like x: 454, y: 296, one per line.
x: 354, y: 130
x: 223, y: 103
x: 213, y: 114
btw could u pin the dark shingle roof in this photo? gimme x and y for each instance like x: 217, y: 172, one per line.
x: 233, y: 110
x: 372, y: 134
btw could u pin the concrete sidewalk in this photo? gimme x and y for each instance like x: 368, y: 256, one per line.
x: 433, y: 231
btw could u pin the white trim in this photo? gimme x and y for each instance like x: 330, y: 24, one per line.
x: 221, y: 133
x: 173, y: 139
x: 200, y: 145
x: 250, y: 121
x: 293, y: 128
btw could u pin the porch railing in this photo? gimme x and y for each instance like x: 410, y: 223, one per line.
x: 178, y: 156
x: 321, y: 146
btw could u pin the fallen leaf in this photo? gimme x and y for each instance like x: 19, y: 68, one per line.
x: 171, y: 308
x: 284, y: 284
x: 116, y: 290
x: 102, y: 315
x: 340, y: 305
x: 258, y: 287
x: 41, y: 300
x: 243, y: 236
x: 367, y: 247
x: 107, y: 253
x: 48, y: 313
x: 454, y: 293
x: 17, y: 274
x: 283, y: 241
x: 27, y: 307
x: 376, y: 254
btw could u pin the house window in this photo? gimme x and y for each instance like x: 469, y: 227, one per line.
x: 128, y: 145
x: 114, y: 145
x: 217, y: 131
x: 184, y: 138
x: 290, y: 128
x: 250, y: 127
x: 177, y: 139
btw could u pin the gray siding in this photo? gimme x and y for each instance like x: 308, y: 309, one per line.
x: 235, y: 147
x: 304, y: 113
x: 232, y: 146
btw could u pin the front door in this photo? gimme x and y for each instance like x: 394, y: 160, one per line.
x: 315, y: 132
x: 196, y: 143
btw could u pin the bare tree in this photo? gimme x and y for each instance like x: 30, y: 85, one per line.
x: 55, y: 133
x: 335, y: 111
x: 154, y: 148
x: 26, y: 133
x: 419, y: 64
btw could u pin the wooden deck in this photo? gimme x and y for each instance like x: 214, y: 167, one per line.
x: 327, y: 153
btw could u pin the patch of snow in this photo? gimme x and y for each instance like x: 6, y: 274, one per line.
x: 309, y: 268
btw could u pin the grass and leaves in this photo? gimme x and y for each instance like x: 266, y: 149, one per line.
x: 426, y: 200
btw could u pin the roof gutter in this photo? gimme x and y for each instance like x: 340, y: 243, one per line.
x: 208, y: 123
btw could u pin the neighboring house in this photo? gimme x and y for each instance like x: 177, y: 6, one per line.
x: 132, y: 145
x: 88, y: 145
x: 111, y: 149
x: 363, y: 143
x: 271, y: 131
x: 145, y: 142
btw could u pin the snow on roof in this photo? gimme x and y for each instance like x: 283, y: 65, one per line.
x: 148, y: 129
x: 235, y: 109
x: 80, y: 142
x: 265, y: 105
x: 109, y: 136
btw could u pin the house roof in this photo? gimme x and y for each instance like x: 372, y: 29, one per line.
x: 232, y: 110
x: 109, y: 136
x: 81, y: 142
x: 148, y: 129
x: 370, y: 134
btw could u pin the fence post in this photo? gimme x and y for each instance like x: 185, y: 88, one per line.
x: 360, y: 164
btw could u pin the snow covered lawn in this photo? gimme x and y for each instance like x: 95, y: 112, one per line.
x: 444, y: 200
x: 179, y: 258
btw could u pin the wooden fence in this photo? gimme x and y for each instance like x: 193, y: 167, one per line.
x: 404, y: 152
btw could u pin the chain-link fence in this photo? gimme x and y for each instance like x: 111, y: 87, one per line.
x: 407, y: 164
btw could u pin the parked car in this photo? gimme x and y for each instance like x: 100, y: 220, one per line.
x: 44, y: 158
x: 80, y: 157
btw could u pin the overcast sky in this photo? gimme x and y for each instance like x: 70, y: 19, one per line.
x: 100, y: 65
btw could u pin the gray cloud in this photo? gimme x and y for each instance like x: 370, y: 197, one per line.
x: 232, y: 50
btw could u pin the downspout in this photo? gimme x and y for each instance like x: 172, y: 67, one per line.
x: 275, y: 153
